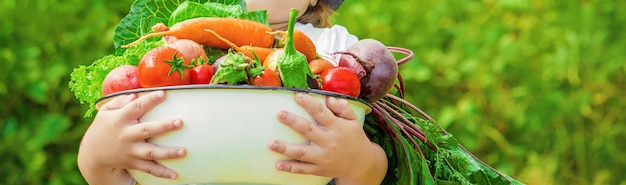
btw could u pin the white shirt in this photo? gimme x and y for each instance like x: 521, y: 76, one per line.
x: 328, y: 40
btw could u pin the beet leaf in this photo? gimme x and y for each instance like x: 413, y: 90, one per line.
x: 232, y: 70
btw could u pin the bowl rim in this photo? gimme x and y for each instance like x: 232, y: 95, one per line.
x: 102, y: 99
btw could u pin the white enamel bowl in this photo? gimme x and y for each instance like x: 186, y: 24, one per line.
x: 226, y: 133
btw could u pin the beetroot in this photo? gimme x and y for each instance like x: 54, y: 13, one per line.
x: 217, y: 63
x: 374, y: 64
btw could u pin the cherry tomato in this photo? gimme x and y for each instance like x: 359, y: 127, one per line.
x: 163, y: 66
x: 267, y: 78
x: 341, y: 80
x: 201, y: 74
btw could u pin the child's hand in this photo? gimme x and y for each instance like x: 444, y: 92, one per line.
x: 116, y: 141
x: 339, y: 146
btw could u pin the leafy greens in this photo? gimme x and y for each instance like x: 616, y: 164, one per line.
x: 421, y: 152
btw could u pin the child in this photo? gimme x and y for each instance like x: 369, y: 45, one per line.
x: 313, y: 22
x: 116, y: 141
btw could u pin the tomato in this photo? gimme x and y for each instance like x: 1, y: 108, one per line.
x: 341, y: 80
x: 319, y: 65
x: 163, y: 66
x: 267, y: 78
x: 201, y: 74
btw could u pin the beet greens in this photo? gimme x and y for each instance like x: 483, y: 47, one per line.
x: 418, y: 149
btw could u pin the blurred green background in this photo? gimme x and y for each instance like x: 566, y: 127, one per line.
x: 534, y: 88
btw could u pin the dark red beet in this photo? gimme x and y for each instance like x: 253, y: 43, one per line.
x: 217, y: 63
x: 374, y: 64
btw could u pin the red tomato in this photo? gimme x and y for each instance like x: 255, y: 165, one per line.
x: 267, y: 78
x: 201, y: 74
x: 341, y: 80
x: 163, y: 66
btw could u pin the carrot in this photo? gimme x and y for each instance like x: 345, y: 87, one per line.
x: 160, y: 27
x: 302, y: 42
x: 319, y: 65
x: 247, y: 50
x: 239, y: 31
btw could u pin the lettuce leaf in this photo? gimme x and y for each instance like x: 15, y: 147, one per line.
x: 188, y: 10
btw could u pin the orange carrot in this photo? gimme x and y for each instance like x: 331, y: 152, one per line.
x: 239, y: 31
x: 160, y: 27
x: 302, y: 42
x: 247, y: 50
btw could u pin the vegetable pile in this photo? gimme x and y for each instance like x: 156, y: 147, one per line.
x: 166, y: 43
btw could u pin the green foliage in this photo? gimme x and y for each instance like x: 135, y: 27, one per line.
x: 533, y: 88
x: 188, y: 10
x: 40, y: 119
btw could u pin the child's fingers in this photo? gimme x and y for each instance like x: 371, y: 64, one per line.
x: 309, y: 130
x: 150, y: 129
x: 304, y: 153
x: 320, y: 113
x: 155, y: 169
x: 149, y: 151
x: 340, y: 108
x: 118, y: 102
x: 298, y: 167
x: 144, y: 103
